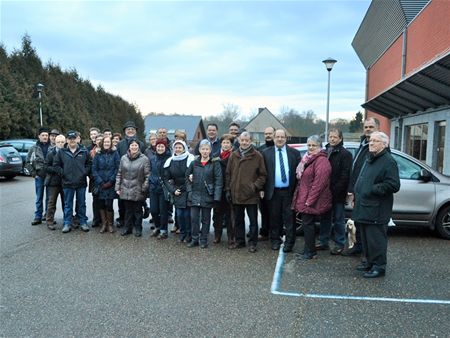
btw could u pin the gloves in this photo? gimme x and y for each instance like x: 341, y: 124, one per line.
x: 107, y: 185
x: 228, y: 196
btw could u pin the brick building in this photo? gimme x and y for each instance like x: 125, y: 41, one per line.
x: 405, y: 47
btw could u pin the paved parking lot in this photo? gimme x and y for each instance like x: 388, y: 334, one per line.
x: 91, y: 284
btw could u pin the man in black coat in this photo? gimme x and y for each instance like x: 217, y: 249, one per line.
x: 371, y: 125
x: 374, y: 190
x: 264, y: 205
x: 281, y: 162
x: 341, y: 164
x: 74, y: 165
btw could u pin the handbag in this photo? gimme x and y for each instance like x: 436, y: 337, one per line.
x: 168, y: 197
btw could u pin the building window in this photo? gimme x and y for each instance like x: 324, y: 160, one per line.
x: 416, y: 141
x: 441, y: 126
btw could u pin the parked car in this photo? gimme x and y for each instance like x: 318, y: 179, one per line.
x: 10, y: 162
x: 424, y: 196
x: 22, y: 146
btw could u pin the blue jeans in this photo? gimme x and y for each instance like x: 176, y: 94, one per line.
x: 184, y: 221
x: 39, y: 188
x: 336, y: 214
x: 69, y: 194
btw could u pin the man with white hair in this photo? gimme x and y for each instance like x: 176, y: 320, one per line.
x: 374, y: 190
x: 244, y: 180
x: 371, y: 124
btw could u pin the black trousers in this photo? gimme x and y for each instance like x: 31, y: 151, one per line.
x: 96, y: 204
x: 281, y: 215
x: 265, y: 218
x: 309, y: 233
x: 133, y: 214
x: 374, y: 242
x: 239, y: 223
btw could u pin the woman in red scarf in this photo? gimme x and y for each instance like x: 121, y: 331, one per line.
x: 222, y: 212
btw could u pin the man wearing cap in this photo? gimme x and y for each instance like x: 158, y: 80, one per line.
x: 35, y: 164
x: 130, y: 131
x: 73, y: 164
x: 53, y: 135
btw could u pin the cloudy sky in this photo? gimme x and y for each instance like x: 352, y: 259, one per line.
x: 193, y: 57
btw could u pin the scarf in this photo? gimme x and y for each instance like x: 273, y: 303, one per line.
x: 181, y: 157
x: 132, y: 157
x: 225, y: 154
x: 301, y: 165
x: 244, y: 152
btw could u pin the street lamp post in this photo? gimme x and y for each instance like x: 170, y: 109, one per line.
x: 329, y: 63
x: 39, y: 88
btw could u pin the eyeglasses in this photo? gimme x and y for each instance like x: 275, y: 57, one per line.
x: 312, y: 145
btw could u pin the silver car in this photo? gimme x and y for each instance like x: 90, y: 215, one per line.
x: 424, y: 196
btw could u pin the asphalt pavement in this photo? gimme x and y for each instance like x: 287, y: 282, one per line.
x: 104, y: 285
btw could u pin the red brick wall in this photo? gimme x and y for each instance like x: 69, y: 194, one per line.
x: 428, y: 35
x: 387, y: 70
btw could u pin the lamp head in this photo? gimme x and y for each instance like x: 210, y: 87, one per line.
x: 329, y: 63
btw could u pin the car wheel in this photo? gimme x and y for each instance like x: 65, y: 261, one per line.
x: 443, y: 222
x: 298, y: 224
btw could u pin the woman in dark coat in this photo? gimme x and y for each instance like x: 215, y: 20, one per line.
x: 175, y: 182
x: 159, y: 205
x: 104, y: 170
x: 132, y: 187
x: 204, y: 186
x: 222, y: 211
x: 312, y: 196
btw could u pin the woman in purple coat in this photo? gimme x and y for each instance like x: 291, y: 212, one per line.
x: 312, y: 196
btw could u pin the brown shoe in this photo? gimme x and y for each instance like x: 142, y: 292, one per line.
x: 110, y: 221
x: 104, y: 221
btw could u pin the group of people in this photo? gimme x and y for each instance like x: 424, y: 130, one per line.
x: 222, y: 178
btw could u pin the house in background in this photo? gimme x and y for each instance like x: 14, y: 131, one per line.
x: 405, y: 47
x: 261, y: 121
x: 191, y: 125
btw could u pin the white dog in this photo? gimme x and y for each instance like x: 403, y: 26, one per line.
x: 351, y: 233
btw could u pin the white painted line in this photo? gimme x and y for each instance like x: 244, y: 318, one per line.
x: 279, y: 272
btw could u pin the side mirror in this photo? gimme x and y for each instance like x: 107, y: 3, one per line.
x: 425, y: 175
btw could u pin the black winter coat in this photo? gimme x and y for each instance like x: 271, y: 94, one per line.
x: 73, y: 167
x: 358, y: 162
x: 341, y: 166
x: 175, y: 178
x: 206, y: 186
x: 52, y: 179
x: 375, y: 188
x: 104, y: 170
x: 157, y: 172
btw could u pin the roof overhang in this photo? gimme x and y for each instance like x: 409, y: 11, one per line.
x: 428, y: 87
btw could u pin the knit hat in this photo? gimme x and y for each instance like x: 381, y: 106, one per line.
x: 203, y: 142
x: 161, y: 141
x: 180, y: 142
x: 43, y: 130
x: 129, y: 124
